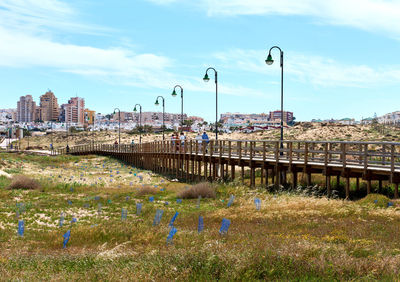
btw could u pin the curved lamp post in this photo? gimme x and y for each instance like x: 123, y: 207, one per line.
x: 163, y: 113
x: 270, y: 61
x: 140, y: 121
x: 207, y: 79
x: 66, y: 127
x: 119, y: 125
x: 174, y: 95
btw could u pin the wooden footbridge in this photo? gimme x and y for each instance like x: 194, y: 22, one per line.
x: 223, y: 159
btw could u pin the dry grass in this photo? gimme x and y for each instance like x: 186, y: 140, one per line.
x: 146, y: 190
x: 202, y: 189
x: 23, y: 182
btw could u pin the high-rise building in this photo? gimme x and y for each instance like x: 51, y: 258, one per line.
x: 26, y: 109
x: 49, y: 107
x: 74, y: 111
x: 276, y: 115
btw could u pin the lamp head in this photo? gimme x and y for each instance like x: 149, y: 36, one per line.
x: 206, y: 78
x: 269, y: 60
x: 156, y: 103
x: 134, y: 109
x: 174, y: 93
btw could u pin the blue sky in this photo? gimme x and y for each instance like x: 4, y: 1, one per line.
x: 341, y: 57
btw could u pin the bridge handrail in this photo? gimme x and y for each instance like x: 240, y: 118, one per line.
x: 365, y: 154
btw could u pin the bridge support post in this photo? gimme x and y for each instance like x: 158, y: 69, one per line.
x: 222, y: 172
x: 358, y: 184
x: 232, y: 171
x: 328, y: 185
x: 396, y: 190
x: 242, y: 173
x: 347, y: 188
x: 337, y: 181
x: 278, y: 177
x: 369, y: 186
x: 198, y: 170
x: 214, y: 169
x: 252, y: 177
x: 308, y: 178
x: 262, y: 175
x: 273, y: 176
x: 294, y: 175
x: 266, y: 177
x: 284, y: 177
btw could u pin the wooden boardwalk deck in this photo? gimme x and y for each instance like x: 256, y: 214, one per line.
x: 194, y: 161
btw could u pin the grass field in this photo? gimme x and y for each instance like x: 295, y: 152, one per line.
x: 292, y: 237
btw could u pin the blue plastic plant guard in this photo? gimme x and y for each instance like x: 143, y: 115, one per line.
x: 171, y: 223
x: 171, y: 234
x: 200, y: 227
x: 224, y: 226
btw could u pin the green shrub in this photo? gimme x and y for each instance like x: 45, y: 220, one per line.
x: 375, y: 200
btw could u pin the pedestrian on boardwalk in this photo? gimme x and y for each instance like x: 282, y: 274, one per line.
x: 182, y: 138
x: 173, y: 141
x: 176, y: 140
x: 206, y: 140
x: 199, y: 140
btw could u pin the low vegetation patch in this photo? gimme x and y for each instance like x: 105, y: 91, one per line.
x: 272, y: 235
x: 376, y: 200
x: 203, y: 189
x: 146, y: 190
x: 23, y: 182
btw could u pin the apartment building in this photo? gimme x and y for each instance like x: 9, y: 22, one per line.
x: 276, y: 115
x: 49, y: 110
x: 74, y: 111
x: 26, y: 109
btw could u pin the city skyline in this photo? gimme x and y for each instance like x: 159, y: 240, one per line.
x: 119, y: 54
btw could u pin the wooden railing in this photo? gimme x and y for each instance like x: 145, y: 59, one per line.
x: 345, y: 154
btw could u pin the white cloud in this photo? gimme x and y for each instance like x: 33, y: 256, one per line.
x: 316, y: 70
x: 162, y: 2
x: 42, y: 17
x: 26, y: 29
x: 372, y: 15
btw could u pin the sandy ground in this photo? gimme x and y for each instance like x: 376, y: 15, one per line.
x: 303, y: 131
x: 2, y: 173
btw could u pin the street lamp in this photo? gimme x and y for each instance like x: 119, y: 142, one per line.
x: 140, y: 121
x: 52, y: 145
x: 270, y: 61
x: 163, y: 106
x: 67, y: 129
x: 119, y: 125
x: 174, y: 95
x: 207, y: 79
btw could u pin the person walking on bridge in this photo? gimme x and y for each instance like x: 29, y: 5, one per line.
x: 182, y: 138
x: 206, y: 140
x: 199, y: 140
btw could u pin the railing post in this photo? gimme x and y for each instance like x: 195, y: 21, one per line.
x: 239, y: 150
x: 392, y: 160
x: 344, y: 155
x: 326, y: 156
x: 305, y: 153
